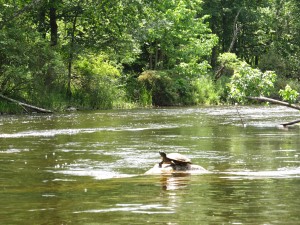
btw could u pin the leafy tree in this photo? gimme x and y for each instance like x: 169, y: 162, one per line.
x: 249, y: 82
x: 175, y: 37
x: 281, y: 26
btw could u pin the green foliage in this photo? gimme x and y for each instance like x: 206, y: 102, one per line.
x: 59, y: 53
x: 249, y: 82
x: 95, y: 84
x: 157, y: 88
x: 165, y: 89
x: 177, y: 38
x: 229, y: 60
x: 289, y: 95
x: 282, y: 31
x: 9, y: 108
x: 205, y: 91
x: 145, y: 97
x: 29, y: 69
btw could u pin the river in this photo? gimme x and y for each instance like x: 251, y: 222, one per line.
x: 87, y: 167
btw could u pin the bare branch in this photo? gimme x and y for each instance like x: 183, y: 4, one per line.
x: 236, y: 30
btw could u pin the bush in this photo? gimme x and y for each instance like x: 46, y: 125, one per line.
x: 159, y: 86
x: 205, y: 91
x: 96, y: 82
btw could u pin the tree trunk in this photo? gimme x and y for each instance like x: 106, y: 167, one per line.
x: 53, y: 25
x: 42, y: 20
x: 71, y: 55
x: 156, y: 55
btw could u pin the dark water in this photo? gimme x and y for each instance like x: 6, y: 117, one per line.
x: 87, y: 167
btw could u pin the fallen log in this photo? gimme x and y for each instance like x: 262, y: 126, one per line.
x: 26, y: 105
x: 265, y: 99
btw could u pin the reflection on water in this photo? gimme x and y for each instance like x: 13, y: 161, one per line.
x: 174, y: 182
x: 87, y: 167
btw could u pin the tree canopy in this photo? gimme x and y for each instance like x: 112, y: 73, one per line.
x: 114, y: 53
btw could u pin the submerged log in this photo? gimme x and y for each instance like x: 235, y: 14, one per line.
x: 38, y: 109
x: 290, y: 123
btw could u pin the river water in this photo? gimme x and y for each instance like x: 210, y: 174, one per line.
x: 87, y: 167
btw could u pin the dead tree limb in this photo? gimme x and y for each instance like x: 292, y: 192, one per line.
x: 265, y: 99
x: 236, y: 30
x: 26, y: 105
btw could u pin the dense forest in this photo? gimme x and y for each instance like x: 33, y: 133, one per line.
x: 102, y: 54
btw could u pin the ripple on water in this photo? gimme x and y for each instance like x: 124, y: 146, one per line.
x: 14, y: 150
x: 276, y: 174
x: 55, y: 132
x: 134, y: 208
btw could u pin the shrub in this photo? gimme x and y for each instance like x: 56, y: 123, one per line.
x: 288, y: 94
x: 163, y: 88
x: 95, y: 85
x: 205, y: 91
x: 160, y: 86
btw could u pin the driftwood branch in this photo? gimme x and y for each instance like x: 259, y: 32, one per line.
x: 26, y: 105
x: 265, y: 99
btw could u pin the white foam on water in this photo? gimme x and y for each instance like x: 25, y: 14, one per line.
x: 97, y: 174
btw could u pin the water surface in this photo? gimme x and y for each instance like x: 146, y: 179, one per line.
x: 87, y: 167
